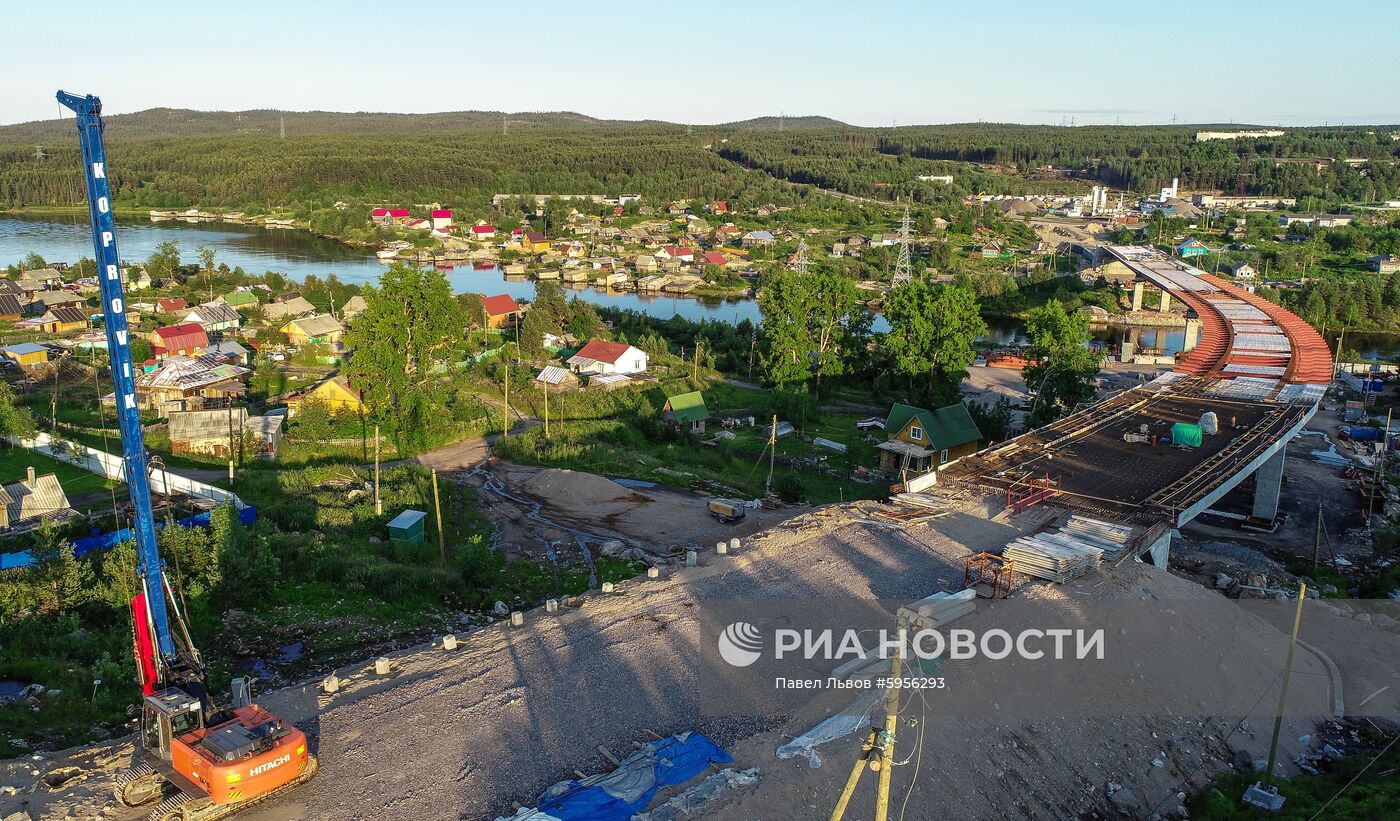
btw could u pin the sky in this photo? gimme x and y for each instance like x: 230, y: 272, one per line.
x: 866, y: 63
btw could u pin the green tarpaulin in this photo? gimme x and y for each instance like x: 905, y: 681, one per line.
x: 1188, y: 435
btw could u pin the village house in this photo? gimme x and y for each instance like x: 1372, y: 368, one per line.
x: 483, y: 231
x: 223, y: 432
x: 1191, y: 248
x: 500, y: 310
x: 319, y: 329
x: 63, y: 319
x: 185, y: 339
x: 391, y: 216
x: 1242, y: 271
x: 135, y: 279
x: 556, y: 377
x: 1316, y: 220
x: 919, y: 440
x: 676, y: 252
x: 26, y: 354
x: 228, y: 351
x: 603, y: 357
x: 54, y: 299
x: 534, y: 242
x: 442, y: 218
x: 238, y: 299
x: 686, y: 411
x: 645, y: 264
x: 755, y: 239
x: 187, y: 383
x: 171, y: 305
x: 10, y: 309
x: 32, y: 500
x: 333, y: 391
x: 214, y: 318
x: 353, y: 307
x: 713, y: 258
x: 1384, y: 264
x: 296, y: 306
x: 719, y: 207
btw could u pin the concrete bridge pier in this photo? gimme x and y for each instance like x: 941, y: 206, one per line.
x: 1164, y: 302
x: 1268, y: 480
x: 1128, y: 349
x: 1137, y: 295
x: 1193, y: 330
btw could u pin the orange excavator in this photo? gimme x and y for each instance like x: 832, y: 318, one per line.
x: 197, y: 760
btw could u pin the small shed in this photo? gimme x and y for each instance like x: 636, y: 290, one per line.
x: 408, y: 526
x: 686, y: 411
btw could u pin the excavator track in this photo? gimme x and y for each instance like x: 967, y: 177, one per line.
x: 182, y: 807
x: 138, y: 785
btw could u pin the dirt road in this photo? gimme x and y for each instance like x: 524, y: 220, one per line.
x: 464, y: 734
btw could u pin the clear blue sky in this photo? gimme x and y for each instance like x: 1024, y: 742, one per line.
x: 1045, y: 61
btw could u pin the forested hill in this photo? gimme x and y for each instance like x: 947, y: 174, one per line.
x: 184, y: 122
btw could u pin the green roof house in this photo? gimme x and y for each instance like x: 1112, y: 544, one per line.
x: 919, y: 440
x: 686, y: 411
x: 239, y: 299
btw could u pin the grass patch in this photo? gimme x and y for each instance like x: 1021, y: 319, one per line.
x: 1376, y: 794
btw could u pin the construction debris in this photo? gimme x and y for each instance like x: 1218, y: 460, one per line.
x: 937, y: 610
x: 1053, y: 556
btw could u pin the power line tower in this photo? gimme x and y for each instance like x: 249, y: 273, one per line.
x: 282, y: 127
x: 799, y: 260
x: 39, y: 153
x: 903, y: 270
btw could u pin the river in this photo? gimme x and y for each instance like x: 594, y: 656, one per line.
x: 296, y: 254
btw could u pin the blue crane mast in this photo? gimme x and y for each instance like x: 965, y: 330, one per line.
x: 104, y: 245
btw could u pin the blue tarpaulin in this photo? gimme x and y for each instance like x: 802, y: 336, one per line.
x: 626, y: 791
x: 13, y: 561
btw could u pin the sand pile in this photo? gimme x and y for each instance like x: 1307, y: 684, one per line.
x: 567, y: 488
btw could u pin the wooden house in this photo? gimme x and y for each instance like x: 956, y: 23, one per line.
x: 686, y: 411
x: 919, y: 440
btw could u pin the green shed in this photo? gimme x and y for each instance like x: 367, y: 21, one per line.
x: 408, y: 526
x: 1187, y: 435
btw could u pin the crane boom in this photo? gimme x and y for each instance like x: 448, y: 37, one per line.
x: 104, y: 246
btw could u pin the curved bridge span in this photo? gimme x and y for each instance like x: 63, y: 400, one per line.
x: 1260, y: 369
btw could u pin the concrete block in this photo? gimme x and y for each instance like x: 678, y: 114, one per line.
x: 381, y: 666
x: 721, y: 548
x: 734, y: 544
x: 517, y: 619
x: 551, y: 605
x: 608, y: 587
x: 691, y: 558
x: 331, y: 683
x: 449, y: 642
x: 653, y: 572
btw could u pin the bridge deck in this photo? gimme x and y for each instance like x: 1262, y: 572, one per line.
x: 1100, y: 473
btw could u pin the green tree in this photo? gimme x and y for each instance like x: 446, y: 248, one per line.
x: 15, y: 419
x: 56, y: 580
x: 1062, y: 368
x: 813, y: 325
x: 166, y: 259
x: 933, y: 332
x: 411, y: 323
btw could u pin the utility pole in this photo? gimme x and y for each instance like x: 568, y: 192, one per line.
x: 505, y: 413
x: 230, y: 443
x: 378, y: 503
x: 879, y: 744
x: 695, y: 374
x: 772, y: 452
x: 1283, y: 688
x: 546, y: 410
x: 437, y: 508
x: 1317, y: 539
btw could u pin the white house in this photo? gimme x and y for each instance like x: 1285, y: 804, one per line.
x: 600, y: 357
x: 442, y: 218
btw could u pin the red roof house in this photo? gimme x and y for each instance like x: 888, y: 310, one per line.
x: 679, y: 252
x: 713, y: 258
x: 499, y: 309
x: 442, y: 217
x: 390, y: 216
x: 483, y: 231
x: 188, y: 339
x: 720, y: 207
x: 603, y: 357
x: 170, y: 305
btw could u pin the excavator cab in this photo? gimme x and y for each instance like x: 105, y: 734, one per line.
x: 166, y: 716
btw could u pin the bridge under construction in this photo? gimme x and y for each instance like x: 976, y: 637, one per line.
x: 1258, y: 368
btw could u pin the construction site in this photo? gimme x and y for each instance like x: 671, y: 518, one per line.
x: 600, y: 703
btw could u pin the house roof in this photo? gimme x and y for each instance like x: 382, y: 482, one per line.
x: 66, y: 314
x: 190, y: 372
x: 679, y: 251
x: 759, y: 235
x: 313, y: 326
x: 182, y: 337
x: 499, y: 305
x: 534, y: 236
x: 213, y: 314
x: 600, y: 350
x: 60, y: 298
x: 237, y: 298
x: 553, y: 375
x: 354, y: 305
x: 483, y: 229
x: 22, y: 348
x: 291, y: 307
x: 9, y: 304
x: 944, y: 427
x: 31, y: 500
x: 227, y: 348
x: 714, y: 257
x: 687, y: 407
x: 172, y: 303
x: 442, y: 212
x: 9, y: 286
